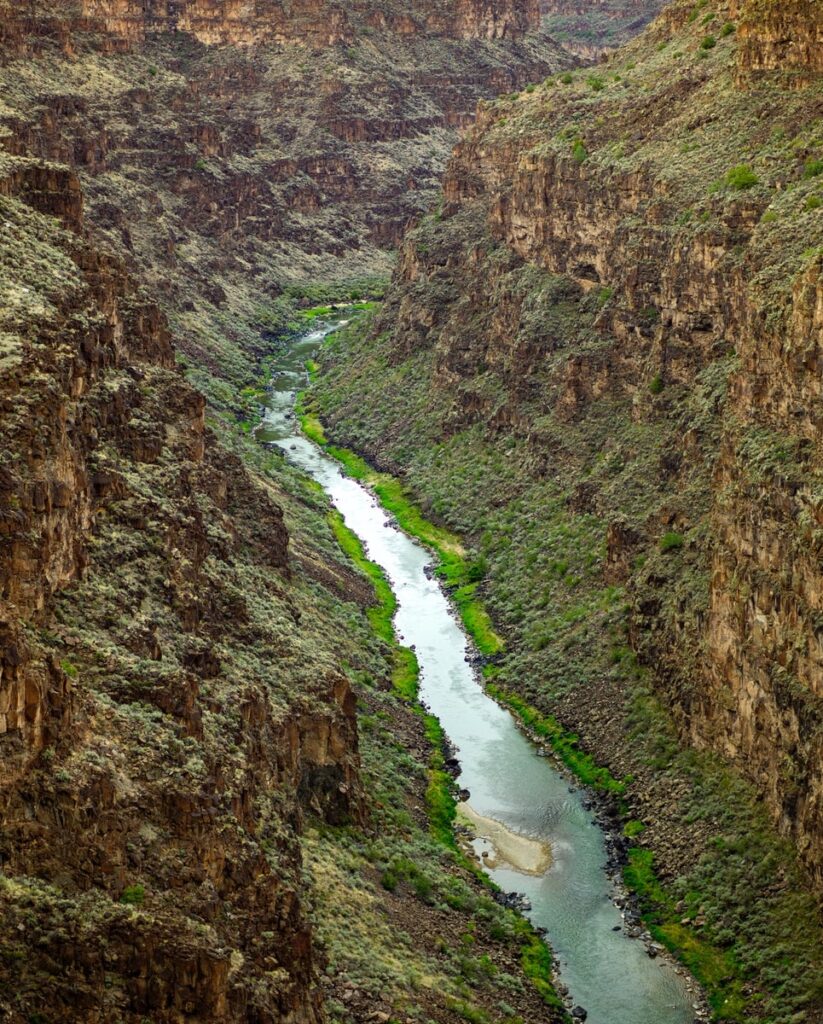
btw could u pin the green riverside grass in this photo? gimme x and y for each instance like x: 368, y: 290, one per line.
x: 441, y: 803
x: 453, y: 566
x: 562, y: 742
x: 714, y: 968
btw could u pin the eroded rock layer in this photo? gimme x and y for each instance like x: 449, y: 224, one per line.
x: 604, y: 361
x: 229, y: 150
x: 124, y: 539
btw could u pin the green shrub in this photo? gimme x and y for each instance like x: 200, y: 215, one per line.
x: 728, y: 29
x: 567, y: 78
x: 709, y: 43
x: 133, y: 895
x: 741, y: 177
x: 579, y: 152
x: 656, y: 385
x: 814, y: 168
x: 671, y: 541
x: 596, y: 83
x: 814, y: 203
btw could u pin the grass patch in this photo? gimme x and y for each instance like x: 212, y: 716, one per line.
x: 714, y: 968
x: 562, y: 742
x: 381, y: 614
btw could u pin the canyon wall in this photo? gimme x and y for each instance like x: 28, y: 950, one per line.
x: 759, y: 701
x: 125, y: 538
x: 311, y: 23
x: 603, y: 357
x: 224, y: 174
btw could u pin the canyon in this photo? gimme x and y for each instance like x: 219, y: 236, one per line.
x: 598, y: 361
x: 591, y: 28
x: 191, y: 801
x: 603, y: 356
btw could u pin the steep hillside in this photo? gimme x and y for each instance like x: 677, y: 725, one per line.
x: 230, y: 150
x: 588, y: 27
x: 205, y: 773
x: 601, y: 360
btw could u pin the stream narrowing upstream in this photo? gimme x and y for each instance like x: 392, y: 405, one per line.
x: 540, y: 838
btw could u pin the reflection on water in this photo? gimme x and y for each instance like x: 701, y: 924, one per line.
x: 606, y: 972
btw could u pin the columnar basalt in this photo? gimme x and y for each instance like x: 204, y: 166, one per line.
x: 613, y: 323
x: 125, y: 532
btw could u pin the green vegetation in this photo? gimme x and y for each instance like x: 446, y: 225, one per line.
x: 713, y: 967
x: 562, y: 742
x: 813, y: 169
x: 656, y: 385
x: 671, y: 541
x: 381, y: 615
x: 579, y: 151
x: 133, y: 895
x: 741, y: 178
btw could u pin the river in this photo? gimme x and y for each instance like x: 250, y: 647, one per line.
x: 541, y: 838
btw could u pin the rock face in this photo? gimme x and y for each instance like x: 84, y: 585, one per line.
x: 312, y: 23
x: 589, y: 27
x: 781, y: 37
x: 229, y: 150
x: 126, y: 542
x: 762, y: 670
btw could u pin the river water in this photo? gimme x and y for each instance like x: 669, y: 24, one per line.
x: 608, y: 973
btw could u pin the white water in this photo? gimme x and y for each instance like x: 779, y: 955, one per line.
x: 608, y: 973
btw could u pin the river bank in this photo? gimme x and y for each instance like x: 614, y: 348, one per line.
x: 595, y: 957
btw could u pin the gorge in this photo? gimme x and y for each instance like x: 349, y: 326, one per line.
x: 582, y: 366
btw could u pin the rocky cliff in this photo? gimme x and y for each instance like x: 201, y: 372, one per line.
x: 613, y: 326
x: 310, y: 23
x: 223, y: 172
x: 589, y: 27
x: 125, y: 540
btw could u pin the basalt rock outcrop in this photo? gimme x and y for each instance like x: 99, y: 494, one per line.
x: 613, y: 324
x: 228, y: 150
x: 310, y: 23
x: 152, y: 786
